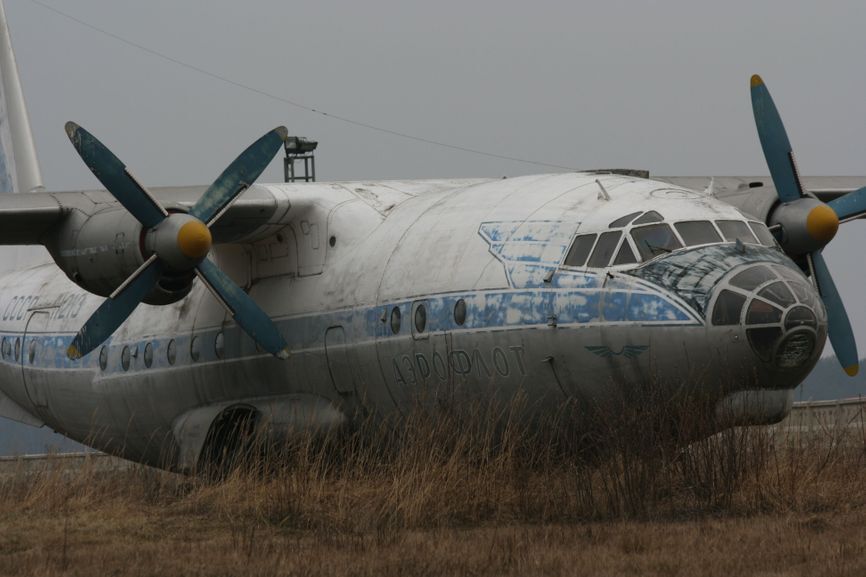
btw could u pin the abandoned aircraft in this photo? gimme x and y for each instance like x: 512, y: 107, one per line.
x: 166, y: 313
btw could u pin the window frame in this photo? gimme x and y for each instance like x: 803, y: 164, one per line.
x: 712, y: 224
x: 571, y: 246
x: 626, y: 241
x: 752, y: 225
x: 613, y: 252
x: 654, y: 256
x: 755, y: 241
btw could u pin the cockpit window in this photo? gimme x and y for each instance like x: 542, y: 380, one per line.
x: 736, y: 230
x: 625, y: 254
x: 763, y: 233
x: 800, y: 317
x: 604, y: 249
x: 654, y: 240
x: 580, y: 250
x: 728, y: 308
x: 753, y: 277
x: 804, y: 295
x: 762, y: 313
x: 779, y: 293
x: 697, y: 232
x: 651, y: 216
x: 623, y: 220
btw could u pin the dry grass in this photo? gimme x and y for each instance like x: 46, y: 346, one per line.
x: 447, y: 495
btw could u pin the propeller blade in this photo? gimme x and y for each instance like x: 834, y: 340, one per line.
x: 774, y: 141
x: 245, y: 311
x: 850, y: 206
x: 114, y: 176
x: 115, y: 309
x: 841, y: 335
x: 239, y: 175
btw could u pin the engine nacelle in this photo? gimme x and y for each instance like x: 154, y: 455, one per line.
x: 804, y: 225
x: 99, y: 252
x: 807, y: 225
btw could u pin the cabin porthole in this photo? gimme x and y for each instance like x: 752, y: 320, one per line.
x: 5, y: 348
x: 219, y: 345
x: 125, y: 358
x: 332, y: 241
x: 31, y: 351
x: 194, y: 352
x: 460, y: 312
x: 148, y: 355
x: 420, y: 318
x: 395, y: 320
x: 171, y: 352
x: 17, y: 348
x: 103, y: 357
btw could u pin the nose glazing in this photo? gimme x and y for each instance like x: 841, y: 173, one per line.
x: 781, y: 313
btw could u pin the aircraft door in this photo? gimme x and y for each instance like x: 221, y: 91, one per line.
x: 310, y: 238
x: 33, y: 351
x: 338, y: 360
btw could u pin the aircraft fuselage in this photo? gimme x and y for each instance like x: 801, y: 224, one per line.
x: 392, y: 295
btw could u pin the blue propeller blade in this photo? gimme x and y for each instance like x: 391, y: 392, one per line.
x: 774, y: 141
x: 115, y: 310
x: 113, y: 175
x: 841, y: 335
x: 851, y: 205
x: 239, y: 175
x: 245, y: 311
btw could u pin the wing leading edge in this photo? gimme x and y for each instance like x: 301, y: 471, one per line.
x: 33, y: 219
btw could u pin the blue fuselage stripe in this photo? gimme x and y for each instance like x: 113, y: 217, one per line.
x: 485, y: 310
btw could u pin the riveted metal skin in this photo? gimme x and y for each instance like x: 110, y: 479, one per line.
x: 100, y: 252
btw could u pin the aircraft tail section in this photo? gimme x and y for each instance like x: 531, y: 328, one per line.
x: 19, y: 172
x: 19, y: 168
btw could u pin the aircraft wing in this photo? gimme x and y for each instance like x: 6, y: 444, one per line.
x: 26, y: 219
x: 826, y: 188
x: 251, y: 217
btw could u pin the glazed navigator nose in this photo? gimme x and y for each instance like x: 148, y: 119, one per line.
x: 780, y: 311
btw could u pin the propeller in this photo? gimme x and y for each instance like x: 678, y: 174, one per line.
x: 807, y: 225
x: 179, y: 242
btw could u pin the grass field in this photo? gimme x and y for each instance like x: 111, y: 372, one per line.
x: 442, y: 497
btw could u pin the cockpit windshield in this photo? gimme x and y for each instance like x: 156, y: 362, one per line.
x: 735, y: 230
x: 604, y: 250
x: 763, y: 233
x: 650, y: 235
x: 695, y: 232
x: 580, y: 250
x: 648, y: 217
x: 655, y: 239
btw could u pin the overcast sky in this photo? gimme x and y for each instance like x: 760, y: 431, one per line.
x: 655, y: 85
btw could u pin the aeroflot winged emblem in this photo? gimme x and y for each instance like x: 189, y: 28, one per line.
x: 627, y: 351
